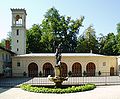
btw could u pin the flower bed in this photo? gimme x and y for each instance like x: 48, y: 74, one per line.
x: 72, y: 89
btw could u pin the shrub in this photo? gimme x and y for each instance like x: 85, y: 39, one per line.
x: 72, y: 89
x: 70, y: 73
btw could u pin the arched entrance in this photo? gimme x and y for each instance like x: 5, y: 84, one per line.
x: 111, y: 71
x: 64, y: 70
x: 32, y: 70
x: 76, y: 70
x: 90, y: 69
x: 48, y: 69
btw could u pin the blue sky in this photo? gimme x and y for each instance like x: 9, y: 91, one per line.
x: 102, y: 14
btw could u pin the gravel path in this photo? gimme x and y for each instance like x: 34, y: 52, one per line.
x: 101, y: 92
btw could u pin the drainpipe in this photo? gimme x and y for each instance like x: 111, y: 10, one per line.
x: 117, y: 67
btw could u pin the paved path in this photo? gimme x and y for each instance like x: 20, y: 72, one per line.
x: 71, y: 80
x: 101, y: 92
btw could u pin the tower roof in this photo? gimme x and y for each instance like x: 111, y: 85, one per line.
x: 18, y: 10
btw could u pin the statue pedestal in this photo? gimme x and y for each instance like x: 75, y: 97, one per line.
x: 58, y: 80
x: 57, y: 71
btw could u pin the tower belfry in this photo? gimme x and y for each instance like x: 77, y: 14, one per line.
x: 19, y: 31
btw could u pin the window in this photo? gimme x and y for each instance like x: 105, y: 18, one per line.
x: 3, y: 56
x: 18, y: 20
x: 104, y: 63
x: 17, y: 41
x: 6, y: 57
x: 18, y: 64
x: 9, y: 57
x: 17, y: 31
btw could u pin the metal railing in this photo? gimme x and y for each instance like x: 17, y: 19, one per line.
x: 103, y: 79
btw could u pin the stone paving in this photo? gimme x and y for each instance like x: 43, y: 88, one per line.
x: 109, y: 80
x: 101, y: 92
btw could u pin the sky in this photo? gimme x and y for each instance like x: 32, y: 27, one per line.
x: 102, y: 14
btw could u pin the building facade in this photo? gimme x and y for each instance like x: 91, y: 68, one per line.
x: 76, y: 63
x: 5, y: 61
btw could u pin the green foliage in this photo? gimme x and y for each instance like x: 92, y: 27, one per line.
x: 88, y: 41
x: 33, y: 39
x: 99, y: 73
x: 54, y: 29
x: 72, y: 89
x: 2, y: 43
x: 118, y: 28
x: 108, y: 45
x: 70, y: 73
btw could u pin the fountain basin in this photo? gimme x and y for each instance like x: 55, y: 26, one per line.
x: 57, y: 80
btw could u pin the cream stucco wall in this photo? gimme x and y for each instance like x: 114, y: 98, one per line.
x: 118, y: 66
x: 69, y: 60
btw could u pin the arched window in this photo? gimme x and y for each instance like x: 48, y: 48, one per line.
x: 18, y: 20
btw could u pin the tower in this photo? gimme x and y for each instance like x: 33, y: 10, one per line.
x: 19, y: 31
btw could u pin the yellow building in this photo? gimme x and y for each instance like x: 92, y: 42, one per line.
x: 77, y: 63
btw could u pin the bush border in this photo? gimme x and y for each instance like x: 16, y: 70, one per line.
x: 72, y: 89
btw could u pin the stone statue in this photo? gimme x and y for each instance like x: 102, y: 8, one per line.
x: 58, y: 79
x: 58, y: 55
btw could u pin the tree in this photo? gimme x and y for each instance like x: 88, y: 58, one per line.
x: 63, y: 29
x: 88, y: 41
x: 101, y: 40
x: 109, y: 45
x: 118, y: 28
x: 118, y: 39
x: 47, y: 42
x: 82, y: 45
x: 33, y: 39
x: 2, y: 43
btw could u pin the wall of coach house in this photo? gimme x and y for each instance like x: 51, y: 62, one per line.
x: 102, y: 63
x: 25, y: 61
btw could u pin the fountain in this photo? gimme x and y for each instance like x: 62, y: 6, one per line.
x: 58, y: 79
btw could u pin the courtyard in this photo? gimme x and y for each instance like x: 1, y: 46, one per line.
x: 100, y: 80
x: 101, y: 92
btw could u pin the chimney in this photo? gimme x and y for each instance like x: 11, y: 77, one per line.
x: 7, y: 44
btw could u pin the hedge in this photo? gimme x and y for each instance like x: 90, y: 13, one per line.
x: 72, y: 89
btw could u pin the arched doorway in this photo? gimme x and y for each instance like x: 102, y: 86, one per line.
x: 64, y: 70
x: 32, y: 70
x: 48, y: 69
x: 90, y: 69
x: 76, y: 70
x: 111, y: 71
